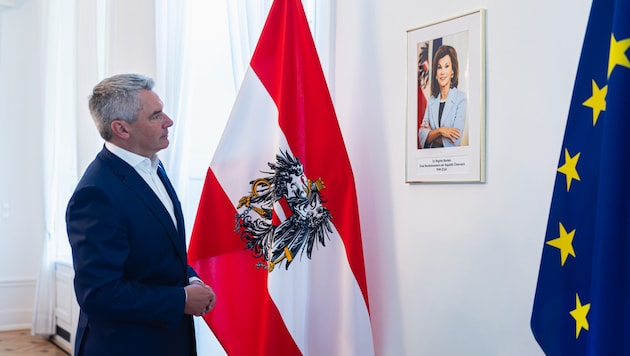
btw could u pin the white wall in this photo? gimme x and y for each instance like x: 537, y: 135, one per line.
x: 451, y: 268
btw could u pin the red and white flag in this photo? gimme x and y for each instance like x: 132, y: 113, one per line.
x: 277, y: 232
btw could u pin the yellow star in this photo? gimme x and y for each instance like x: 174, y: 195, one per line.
x: 579, y: 314
x: 618, y: 53
x: 564, y: 243
x: 569, y: 167
x: 597, y: 101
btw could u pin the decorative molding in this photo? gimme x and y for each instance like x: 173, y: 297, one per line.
x: 15, y: 319
x: 9, y: 283
x: 16, y: 309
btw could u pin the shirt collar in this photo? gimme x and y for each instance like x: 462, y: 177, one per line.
x: 135, y: 160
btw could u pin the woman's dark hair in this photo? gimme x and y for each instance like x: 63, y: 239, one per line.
x: 443, y: 51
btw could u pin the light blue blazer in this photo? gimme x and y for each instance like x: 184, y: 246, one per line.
x: 454, y: 115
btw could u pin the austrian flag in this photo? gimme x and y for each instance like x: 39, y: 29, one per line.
x: 277, y: 232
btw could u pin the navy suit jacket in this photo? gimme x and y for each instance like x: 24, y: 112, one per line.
x: 130, y: 264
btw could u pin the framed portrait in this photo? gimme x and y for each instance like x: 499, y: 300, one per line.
x: 445, y: 132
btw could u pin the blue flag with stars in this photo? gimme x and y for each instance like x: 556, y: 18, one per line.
x: 582, y: 301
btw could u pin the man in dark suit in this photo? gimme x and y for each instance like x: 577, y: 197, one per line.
x: 133, y: 283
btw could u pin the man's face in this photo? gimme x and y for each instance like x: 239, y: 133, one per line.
x: 149, y: 133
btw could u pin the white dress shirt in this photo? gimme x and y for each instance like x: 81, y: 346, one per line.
x: 147, y: 169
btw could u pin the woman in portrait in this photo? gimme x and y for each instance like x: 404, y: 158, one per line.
x: 445, y: 115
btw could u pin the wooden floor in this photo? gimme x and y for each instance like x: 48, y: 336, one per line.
x: 21, y: 342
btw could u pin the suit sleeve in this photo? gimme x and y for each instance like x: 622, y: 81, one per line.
x: 100, y: 247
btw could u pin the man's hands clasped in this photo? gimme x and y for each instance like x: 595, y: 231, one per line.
x: 200, y: 298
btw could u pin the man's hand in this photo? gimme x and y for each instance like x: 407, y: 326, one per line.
x: 200, y: 299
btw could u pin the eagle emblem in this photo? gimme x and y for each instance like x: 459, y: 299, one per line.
x: 283, y: 216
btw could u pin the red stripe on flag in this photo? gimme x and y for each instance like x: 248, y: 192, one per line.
x: 215, y: 214
x: 287, y: 64
x: 275, y: 219
x: 244, y: 318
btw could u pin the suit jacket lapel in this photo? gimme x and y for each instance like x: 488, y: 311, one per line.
x: 134, y: 181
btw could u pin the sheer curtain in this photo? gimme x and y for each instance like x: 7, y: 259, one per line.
x: 60, y: 165
x: 171, y: 37
x: 322, y: 19
x: 246, y: 19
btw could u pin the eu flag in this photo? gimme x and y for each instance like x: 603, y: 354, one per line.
x: 582, y: 301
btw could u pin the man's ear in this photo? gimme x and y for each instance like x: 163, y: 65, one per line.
x: 120, y: 128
